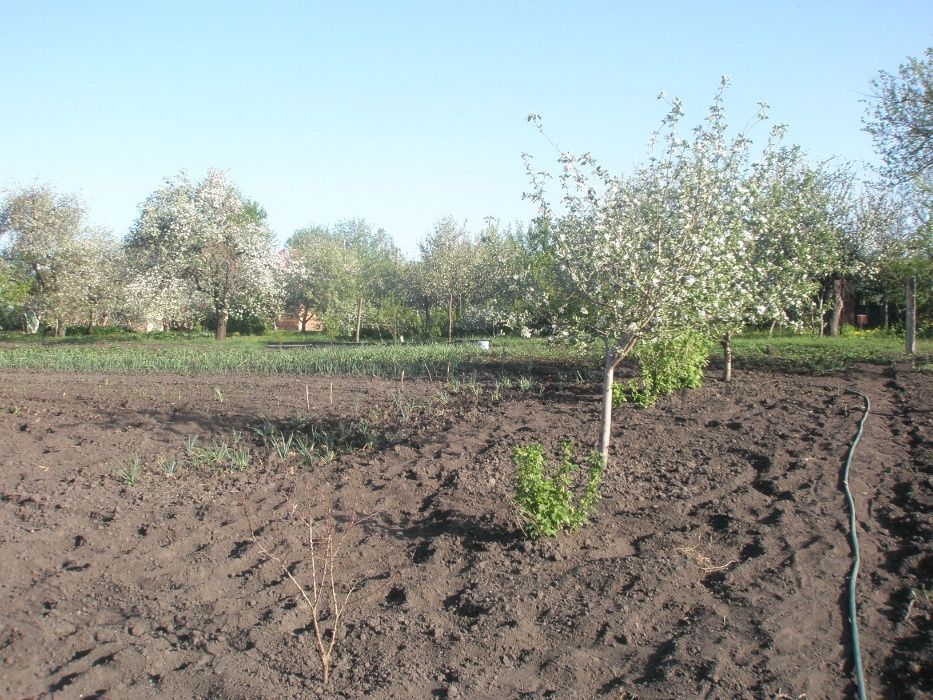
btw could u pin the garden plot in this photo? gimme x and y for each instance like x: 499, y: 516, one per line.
x: 714, y: 565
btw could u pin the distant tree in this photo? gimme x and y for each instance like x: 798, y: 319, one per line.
x: 899, y: 242
x: 500, y: 259
x: 315, y: 273
x: 13, y: 291
x: 842, y: 246
x: 204, y: 242
x: 94, y: 280
x: 781, y: 261
x: 371, y: 258
x: 419, y: 294
x: 447, y: 266
x: 545, y: 295
x: 154, y: 300
x: 39, y: 230
x: 900, y: 120
x: 392, y: 310
x: 803, y: 246
x: 339, y: 271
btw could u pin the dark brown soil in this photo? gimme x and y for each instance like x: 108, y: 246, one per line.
x: 715, y: 565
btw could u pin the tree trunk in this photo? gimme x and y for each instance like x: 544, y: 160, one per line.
x: 450, y: 319
x: 771, y: 330
x: 221, y: 331
x: 605, y: 417
x: 836, y: 311
x: 59, y: 328
x: 727, y: 357
x: 359, y: 319
x: 884, y: 312
x: 910, y: 317
x: 427, y: 319
x: 303, y: 324
x: 820, y: 316
x: 90, y: 322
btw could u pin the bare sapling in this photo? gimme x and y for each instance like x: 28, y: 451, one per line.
x: 325, y: 595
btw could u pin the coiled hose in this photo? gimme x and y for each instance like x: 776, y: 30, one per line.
x: 853, y: 537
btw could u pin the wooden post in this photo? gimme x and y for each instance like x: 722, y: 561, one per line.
x: 910, y: 324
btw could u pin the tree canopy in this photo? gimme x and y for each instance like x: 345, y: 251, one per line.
x: 204, y: 242
x: 900, y: 119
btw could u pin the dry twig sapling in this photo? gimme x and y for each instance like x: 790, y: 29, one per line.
x: 325, y: 602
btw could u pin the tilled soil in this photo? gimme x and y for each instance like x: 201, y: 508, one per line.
x: 714, y: 566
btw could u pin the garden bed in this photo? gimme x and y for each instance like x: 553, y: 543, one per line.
x: 715, y: 564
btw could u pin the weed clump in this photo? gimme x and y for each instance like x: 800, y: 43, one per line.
x: 129, y: 474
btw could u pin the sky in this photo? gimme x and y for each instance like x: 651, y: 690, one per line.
x: 404, y: 112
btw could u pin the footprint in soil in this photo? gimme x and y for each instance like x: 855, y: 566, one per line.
x: 63, y: 682
x: 104, y: 660
x: 424, y: 552
x: 72, y: 567
x: 773, y: 518
x: 396, y: 596
x: 769, y: 487
x: 720, y: 522
x: 463, y: 604
x: 760, y: 462
x: 239, y: 549
x: 77, y: 656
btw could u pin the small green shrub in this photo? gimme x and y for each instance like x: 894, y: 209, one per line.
x: 98, y: 330
x: 666, y: 366
x: 549, y: 504
x: 239, y: 325
x: 850, y: 331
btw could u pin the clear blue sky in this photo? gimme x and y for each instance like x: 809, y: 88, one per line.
x: 403, y: 112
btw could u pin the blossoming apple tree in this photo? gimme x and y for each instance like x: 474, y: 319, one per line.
x: 646, y: 254
x: 43, y: 236
x: 203, y: 241
x: 783, y: 250
x: 446, y: 262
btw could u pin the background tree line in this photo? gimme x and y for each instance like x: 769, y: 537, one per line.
x: 764, y: 237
